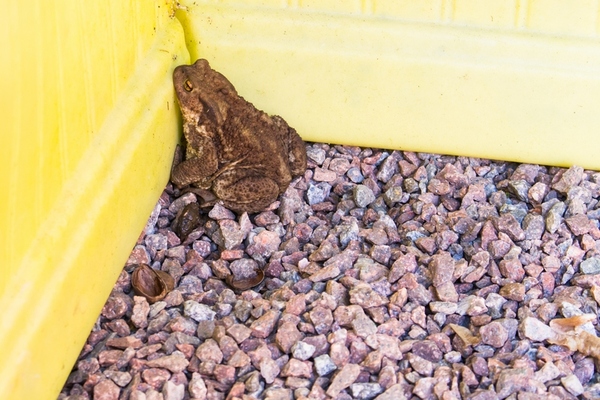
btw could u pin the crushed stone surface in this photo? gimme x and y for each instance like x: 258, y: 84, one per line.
x: 388, y: 275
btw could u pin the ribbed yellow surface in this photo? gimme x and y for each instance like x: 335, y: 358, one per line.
x: 88, y: 132
x: 511, y: 80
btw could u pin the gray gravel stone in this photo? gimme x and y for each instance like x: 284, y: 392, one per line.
x: 355, y: 175
x: 318, y: 193
x: 324, y: 365
x: 198, y: 312
x: 365, y: 391
x: 520, y: 188
x: 572, y: 384
x: 535, y: 330
x: 363, y: 195
x: 554, y: 216
x: 590, y: 266
x: 303, y: 351
x: 316, y: 154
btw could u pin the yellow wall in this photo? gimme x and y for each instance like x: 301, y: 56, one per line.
x: 88, y: 133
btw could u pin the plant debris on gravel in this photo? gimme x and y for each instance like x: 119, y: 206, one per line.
x: 387, y: 275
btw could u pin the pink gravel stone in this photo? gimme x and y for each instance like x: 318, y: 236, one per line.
x: 125, y: 342
x: 139, y: 255
x: 174, y: 363
x: 297, y: 368
x: 239, y: 359
x: 224, y: 374
x: 156, y: 377
x: 325, y: 273
x: 269, y: 370
x: 263, y: 326
x: 287, y: 335
x: 106, y: 390
x: 343, y: 379
x: 109, y: 357
x: 494, y: 334
x: 442, y: 268
x: 209, y: 351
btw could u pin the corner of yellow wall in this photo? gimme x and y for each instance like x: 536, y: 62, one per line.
x: 91, y: 129
x: 490, y: 79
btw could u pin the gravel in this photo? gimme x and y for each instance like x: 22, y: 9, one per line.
x: 388, y: 275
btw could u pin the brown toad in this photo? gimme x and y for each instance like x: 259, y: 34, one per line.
x: 245, y: 157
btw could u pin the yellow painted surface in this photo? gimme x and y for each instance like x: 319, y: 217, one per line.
x: 89, y: 122
x: 88, y: 132
x: 512, y: 80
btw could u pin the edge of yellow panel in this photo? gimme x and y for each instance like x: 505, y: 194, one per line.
x: 446, y: 88
x: 87, y: 237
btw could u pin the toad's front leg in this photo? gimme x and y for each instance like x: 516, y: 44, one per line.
x: 201, y: 163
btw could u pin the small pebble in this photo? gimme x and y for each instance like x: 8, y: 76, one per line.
x: 324, y: 365
x: 198, y: 312
x: 363, y: 195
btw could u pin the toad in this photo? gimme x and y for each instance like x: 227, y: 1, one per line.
x: 239, y: 154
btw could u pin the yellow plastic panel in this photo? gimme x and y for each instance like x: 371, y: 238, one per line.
x: 579, y: 17
x: 490, y: 13
x: 494, y: 80
x: 424, y: 10
x: 88, y: 132
x: 336, y: 6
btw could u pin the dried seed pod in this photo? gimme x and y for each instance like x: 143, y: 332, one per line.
x: 568, y: 324
x: 246, y: 283
x: 187, y: 219
x: 581, y: 341
x: 150, y: 283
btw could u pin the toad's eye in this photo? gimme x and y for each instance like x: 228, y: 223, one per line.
x: 187, y: 85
